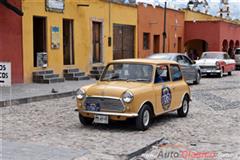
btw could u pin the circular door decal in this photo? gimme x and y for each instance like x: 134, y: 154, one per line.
x: 166, y: 97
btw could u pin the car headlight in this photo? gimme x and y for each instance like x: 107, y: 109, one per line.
x: 127, y: 97
x: 81, y: 94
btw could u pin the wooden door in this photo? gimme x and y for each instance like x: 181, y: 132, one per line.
x: 156, y: 43
x: 96, y: 42
x: 123, y: 41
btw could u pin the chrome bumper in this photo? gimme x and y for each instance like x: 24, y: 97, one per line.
x: 109, y: 113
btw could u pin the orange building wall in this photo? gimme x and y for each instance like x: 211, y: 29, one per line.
x: 151, y: 20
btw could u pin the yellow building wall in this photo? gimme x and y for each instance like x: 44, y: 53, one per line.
x: 82, y: 16
x: 198, y: 16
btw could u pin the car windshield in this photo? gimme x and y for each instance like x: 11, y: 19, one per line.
x: 128, y: 72
x: 161, y: 56
x: 212, y: 56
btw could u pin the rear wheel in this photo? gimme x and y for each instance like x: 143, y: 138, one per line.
x: 198, y: 77
x: 183, y: 111
x: 144, y: 118
x: 229, y: 73
x: 85, y: 120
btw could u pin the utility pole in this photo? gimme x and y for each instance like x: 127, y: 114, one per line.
x: 164, y: 27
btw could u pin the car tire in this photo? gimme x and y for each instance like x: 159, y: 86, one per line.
x: 85, y: 120
x: 183, y: 111
x: 220, y: 75
x: 229, y: 73
x: 144, y: 119
x: 198, y: 77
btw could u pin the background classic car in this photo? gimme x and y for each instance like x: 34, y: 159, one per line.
x: 134, y: 88
x: 216, y: 63
x: 191, y: 71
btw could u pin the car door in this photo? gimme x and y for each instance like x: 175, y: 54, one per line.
x: 191, y: 71
x: 177, y: 85
x: 184, y: 68
x: 229, y: 63
x: 162, y: 89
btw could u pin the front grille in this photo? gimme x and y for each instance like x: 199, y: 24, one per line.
x: 103, y: 104
x: 208, y: 67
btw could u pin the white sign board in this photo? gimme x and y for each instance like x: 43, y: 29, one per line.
x: 55, y: 5
x: 5, y: 74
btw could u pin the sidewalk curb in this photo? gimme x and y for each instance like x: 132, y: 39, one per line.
x: 36, y: 98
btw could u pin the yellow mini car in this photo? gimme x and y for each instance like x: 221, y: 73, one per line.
x: 134, y: 88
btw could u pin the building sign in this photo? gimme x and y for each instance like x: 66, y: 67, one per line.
x: 55, y: 5
x: 5, y: 74
x: 55, y: 44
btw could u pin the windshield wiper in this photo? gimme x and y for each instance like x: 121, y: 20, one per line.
x: 139, y: 80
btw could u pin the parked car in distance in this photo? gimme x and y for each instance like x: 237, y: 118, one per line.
x: 216, y: 63
x: 237, y: 58
x: 134, y: 88
x: 191, y: 71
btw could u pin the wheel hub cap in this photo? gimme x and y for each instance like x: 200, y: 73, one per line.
x: 146, y: 117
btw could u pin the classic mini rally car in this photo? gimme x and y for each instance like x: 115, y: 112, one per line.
x: 134, y: 88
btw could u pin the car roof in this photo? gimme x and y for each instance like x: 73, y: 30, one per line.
x: 174, y: 54
x: 146, y: 61
x: 215, y: 52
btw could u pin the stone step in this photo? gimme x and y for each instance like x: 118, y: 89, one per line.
x: 77, y: 74
x: 71, y: 70
x: 45, y: 76
x: 42, y: 72
x: 96, y: 72
x: 53, y: 80
x: 78, y: 78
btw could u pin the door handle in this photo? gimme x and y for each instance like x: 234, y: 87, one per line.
x: 173, y: 88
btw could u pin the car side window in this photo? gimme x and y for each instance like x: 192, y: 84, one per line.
x: 180, y: 60
x: 186, y: 60
x: 226, y: 56
x: 176, y: 73
x: 162, y: 74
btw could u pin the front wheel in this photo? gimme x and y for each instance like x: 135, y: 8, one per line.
x: 183, y: 111
x: 144, y: 118
x: 229, y: 73
x: 220, y: 75
x: 85, y: 120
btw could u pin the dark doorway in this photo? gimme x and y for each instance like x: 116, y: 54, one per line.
x: 123, y: 41
x: 97, y: 42
x: 68, y: 42
x: 179, y: 44
x: 39, y: 37
x: 156, y: 43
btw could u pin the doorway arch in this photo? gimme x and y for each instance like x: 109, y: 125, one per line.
x: 196, y: 47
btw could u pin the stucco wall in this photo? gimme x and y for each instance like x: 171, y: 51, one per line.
x: 151, y: 20
x: 82, y: 16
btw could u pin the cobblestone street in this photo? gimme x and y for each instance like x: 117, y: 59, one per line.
x: 50, y: 130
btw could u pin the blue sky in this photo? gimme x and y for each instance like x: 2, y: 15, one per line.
x: 213, y: 4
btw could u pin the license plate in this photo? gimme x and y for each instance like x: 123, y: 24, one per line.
x: 101, y: 119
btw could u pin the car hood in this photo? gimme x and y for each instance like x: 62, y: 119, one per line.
x: 207, y: 62
x: 111, y: 89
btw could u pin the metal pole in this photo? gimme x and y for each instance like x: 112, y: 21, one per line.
x: 164, y: 27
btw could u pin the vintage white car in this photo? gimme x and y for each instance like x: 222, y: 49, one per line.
x: 216, y: 63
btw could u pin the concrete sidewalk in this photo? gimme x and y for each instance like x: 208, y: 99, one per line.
x: 25, y: 93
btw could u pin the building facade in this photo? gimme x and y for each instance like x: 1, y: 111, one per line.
x: 151, y: 28
x: 76, y: 34
x: 11, y: 38
x: 208, y: 33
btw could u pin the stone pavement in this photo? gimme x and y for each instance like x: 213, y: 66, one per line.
x: 30, y: 151
x: 24, y: 93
